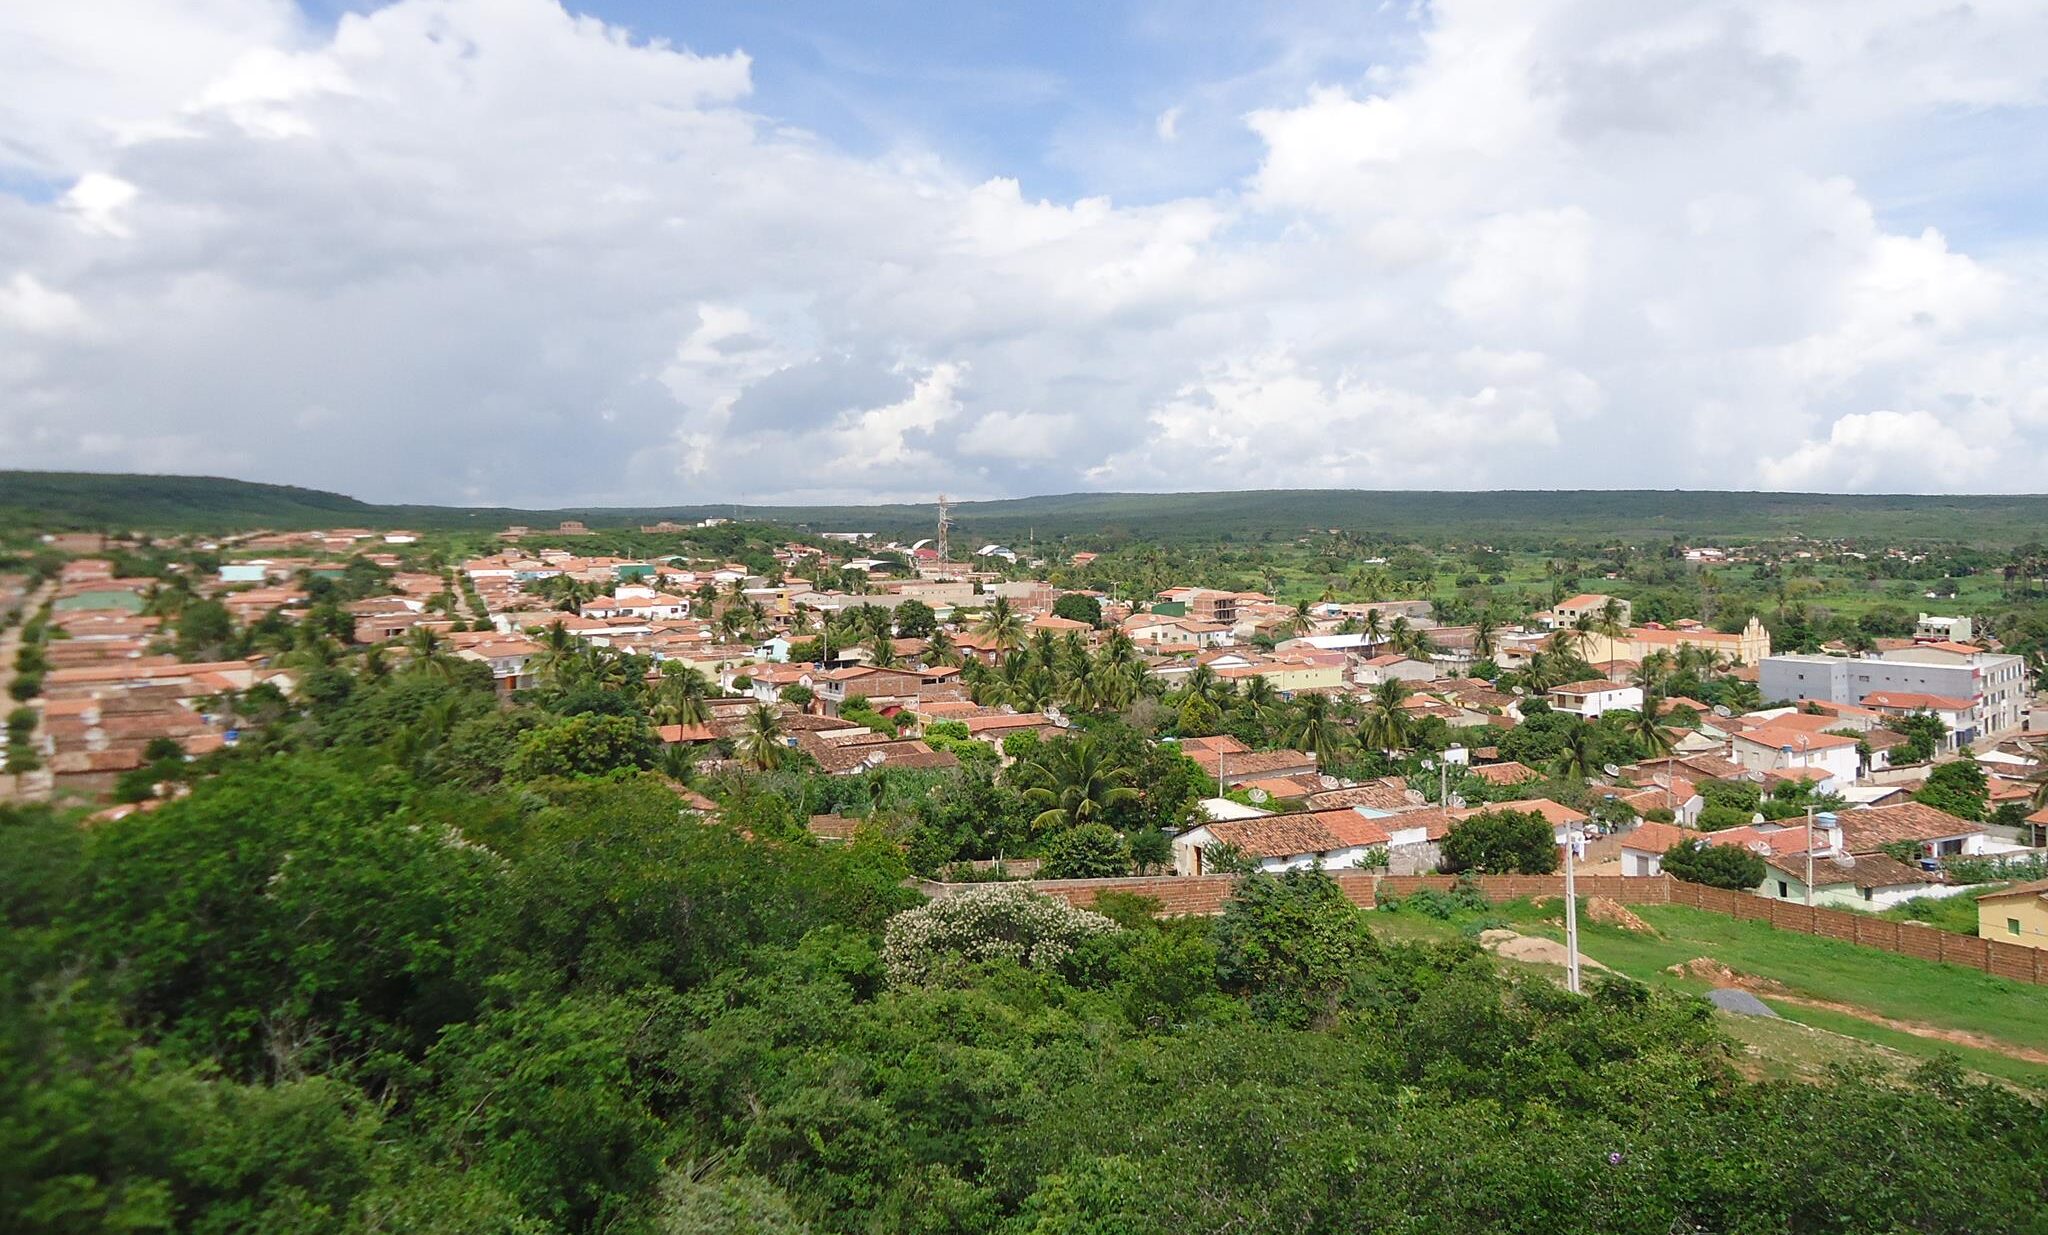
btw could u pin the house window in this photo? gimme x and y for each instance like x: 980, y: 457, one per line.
x: 1784, y: 893
x: 2012, y: 926
x: 1867, y: 894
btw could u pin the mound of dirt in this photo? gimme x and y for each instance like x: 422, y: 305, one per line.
x: 1613, y: 913
x: 1711, y: 971
x: 1514, y: 946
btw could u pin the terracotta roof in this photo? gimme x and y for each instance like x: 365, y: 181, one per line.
x: 1379, y: 795
x: 2038, y: 887
x: 1800, y: 740
x: 1509, y: 773
x: 1652, y: 837
x: 1553, y: 812
x: 1591, y: 686
x: 1872, y: 870
x: 1915, y: 701
x: 1866, y: 830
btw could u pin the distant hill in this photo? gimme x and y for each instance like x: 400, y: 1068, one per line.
x: 88, y: 500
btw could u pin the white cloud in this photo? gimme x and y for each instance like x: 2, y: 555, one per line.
x: 1565, y: 242
x: 27, y: 305
x: 1898, y: 452
x: 98, y: 201
x: 1020, y: 435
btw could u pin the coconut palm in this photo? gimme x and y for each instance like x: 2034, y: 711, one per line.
x: 1575, y: 756
x: 1074, y: 781
x: 1609, y: 622
x: 1484, y: 631
x: 428, y: 654
x: 1001, y: 625
x: 882, y: 652
x: 1312, y: 725
x: 1650, y: 736
x: 1385, y: 724
x: 557, y: 645
x: 1299, y: 622
x: 680, y: 698
x: 760, y: 743
x: 940, y: 649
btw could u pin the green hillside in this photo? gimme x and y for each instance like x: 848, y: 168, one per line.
x: 96, y: 500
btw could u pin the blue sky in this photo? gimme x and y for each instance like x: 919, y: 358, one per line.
x: 1006, y: 249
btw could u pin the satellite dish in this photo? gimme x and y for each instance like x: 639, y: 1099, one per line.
x: 1757, y: 846
x: 1721, y: 709
x: 1610, y: 769
x: 1258, y: 796
x: 1756, y: 819
x: 1520, y: 691
x: 1846, y: 861
x: 1457, y: 802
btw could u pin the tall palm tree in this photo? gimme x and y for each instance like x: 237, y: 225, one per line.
x: 1001, y: 625
x: 1385, y: 724
x: 428, y: 654
x: 1299, y: 622
x: 882, y: 652
x: 1610, y: 618
x: 1484, y: 631
x: 1575, y: 756
x: 940, y: 649
x: 760, y: 743
x: 1312, y: 725
x: 1651, y: 737
x: 680, y: 699
x: 1374, y: 629
x: 557, y: 645
x: 1072, y: 783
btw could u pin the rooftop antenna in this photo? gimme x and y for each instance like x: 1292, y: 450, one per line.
x: 945, y: 523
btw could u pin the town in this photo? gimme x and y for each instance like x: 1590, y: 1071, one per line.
x: 1338, y: 733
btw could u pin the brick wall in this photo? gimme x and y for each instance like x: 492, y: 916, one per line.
x: 1205, y: 894
x: 1993, y: 956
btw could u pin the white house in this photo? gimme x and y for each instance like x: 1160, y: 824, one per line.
x: 1590, y: 698
x: 1773, y: 748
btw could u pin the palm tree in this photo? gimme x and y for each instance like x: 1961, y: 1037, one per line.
x: 760, y: 741
x: 1311, y: 725
x: 1385, y: 723
x: 1484, y: 629
x: 680, y: 699
x: 428, y: 654
x: 1374, y: 631
x: 1001, y: 625
x: 1073, y: 783
x: 1610, y: 618
x: 940, y: 649
x: 557, y: 645
x: 1575, y: 757
x: 1650, y: 736
x: 1299, y: 622
x: 1259, y: 693
x: 882, y: 652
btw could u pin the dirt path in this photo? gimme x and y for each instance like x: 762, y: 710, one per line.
x: 1533, y: 949
x: 1713, y: 971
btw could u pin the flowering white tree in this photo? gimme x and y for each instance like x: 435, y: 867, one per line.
x: 989, y: 922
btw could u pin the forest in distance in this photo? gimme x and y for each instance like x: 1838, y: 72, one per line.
x: 107, y: 501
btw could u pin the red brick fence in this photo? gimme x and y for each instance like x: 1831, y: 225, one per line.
x: 1205, y: 894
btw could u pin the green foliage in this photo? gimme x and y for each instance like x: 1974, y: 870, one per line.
x: 1718, y: 866
x: 1924, y: 735
x: 1292, y: 945
x: 1078, y: 607
x: 585, y: 745
x: 992, y: 922
x: 1958, y: 787
x: 1501, y: 843
x: 1090, y: 851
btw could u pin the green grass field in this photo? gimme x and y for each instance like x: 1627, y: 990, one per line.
x: 1901, y: 988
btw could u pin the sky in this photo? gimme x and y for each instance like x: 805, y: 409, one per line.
x: 638, y: 252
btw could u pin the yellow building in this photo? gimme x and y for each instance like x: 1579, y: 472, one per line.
x: 1748, y: 646
x: 2019, y: 914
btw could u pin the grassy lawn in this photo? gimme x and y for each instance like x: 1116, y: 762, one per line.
x: 1901, y: 987
x: 1950, y: 913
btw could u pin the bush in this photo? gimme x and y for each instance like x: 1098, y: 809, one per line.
x: 1717, y: 866
x: 1091, y: 851
x: 1502, y: 843
x: 1292, y: 944
x: 999, y: 921
x: 1443, y: 906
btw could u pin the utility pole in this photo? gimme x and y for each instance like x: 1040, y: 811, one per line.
x: 1809, y: 855
x: 945, y: 523
x: 1571, y: 911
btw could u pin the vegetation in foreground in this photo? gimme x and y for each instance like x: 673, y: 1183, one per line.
x: 345, y: 985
